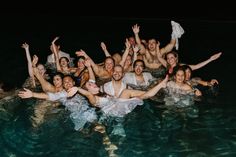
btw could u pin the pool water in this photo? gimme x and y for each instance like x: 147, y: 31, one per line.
x: 207, y: 129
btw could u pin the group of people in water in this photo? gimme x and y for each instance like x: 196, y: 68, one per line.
x: 119, y: 84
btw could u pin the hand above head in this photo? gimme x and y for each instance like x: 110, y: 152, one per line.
x: 25, y: 46
x: 81, y: 53
x: 103, y: 46
x: 177, y: 30
x: 135, y: 29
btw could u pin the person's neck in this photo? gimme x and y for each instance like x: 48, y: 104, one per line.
x: 114, y: 82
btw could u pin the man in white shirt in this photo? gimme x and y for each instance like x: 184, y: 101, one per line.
x: 115, y: 86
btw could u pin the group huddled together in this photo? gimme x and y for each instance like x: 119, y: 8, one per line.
x: 141, y: 71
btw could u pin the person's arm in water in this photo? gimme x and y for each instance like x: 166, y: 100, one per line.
x: 29, y: 94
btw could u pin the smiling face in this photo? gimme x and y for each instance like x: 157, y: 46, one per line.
x: 64, y: 62
x: 80, y: 63
x: 109, y: 64
x: 41, y: 69
x: 171, y: 59
x: 57, y: 81
x: 117, y: 74
x: 138, y: 68
x: 152, y: 44
x: 68, y: 82
x: 180, y: 76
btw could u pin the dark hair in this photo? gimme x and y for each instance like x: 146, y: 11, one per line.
x: 185, y: 67
x: 68, y: 75
x: 178, y: 68
x: 59, y: 74
x: 109, y: 57
x: 65, y: 59
x: 139, y: 60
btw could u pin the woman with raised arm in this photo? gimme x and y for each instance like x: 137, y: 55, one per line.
x: 46, y: 85
x: 103, y: 73
x: 32, y: 82
x: 171, y: 61
x: 81, y: 75
x: 62, y: 63
x: 29, y: 63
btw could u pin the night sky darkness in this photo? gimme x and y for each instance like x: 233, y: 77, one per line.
x: 206, y: 33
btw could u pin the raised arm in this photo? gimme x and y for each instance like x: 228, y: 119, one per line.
x: 29, y: 62
x: 94, y: 65
x: 136, y: 30
x: 168, y: 47
x: 104, y: 48
x: 98, y: 70
x: 55, y: 52
x: 162, y: 60
x: 90, y: 70
x: 46, y: 86
x: 212, y: 58
x: 125, y: 54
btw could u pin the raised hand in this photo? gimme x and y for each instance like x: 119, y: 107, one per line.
x: 103, y: 46
x: 135, y: 29
x: 25, y: 46
x: 215, y: 56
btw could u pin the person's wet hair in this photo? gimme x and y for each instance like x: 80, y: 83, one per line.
x: 178, y: 68
x: 68, y: 75
x: 65, y: 59
x: 185, y: 67
x: 139, y: 60
x: 174, y: 53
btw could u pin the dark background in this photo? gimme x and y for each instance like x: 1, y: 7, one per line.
x: 208, y: 29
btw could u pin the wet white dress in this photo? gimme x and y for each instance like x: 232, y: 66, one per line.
x: 117, y: 107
